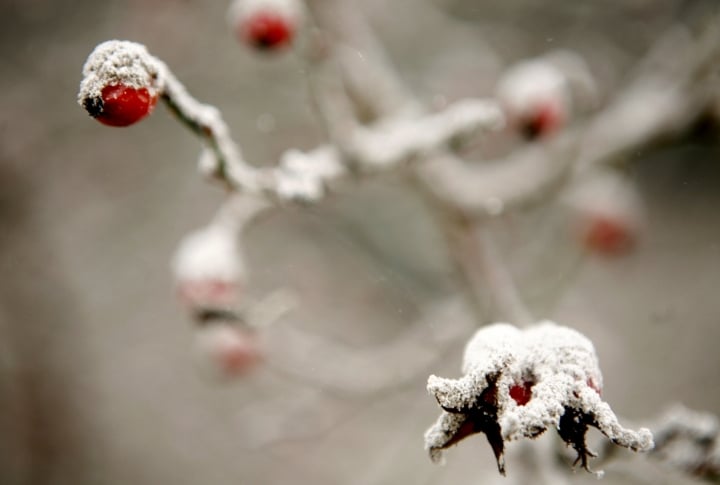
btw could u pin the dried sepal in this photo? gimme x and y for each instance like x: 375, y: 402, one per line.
x: 518, y: 383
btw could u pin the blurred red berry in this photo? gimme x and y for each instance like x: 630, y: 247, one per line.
x: 225, y: 351
x: 121, y: 105
x: 267, y: 30
x: 609, y: 236
x: 237, y: 356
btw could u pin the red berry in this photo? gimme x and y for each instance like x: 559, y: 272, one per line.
x: 121, y: 105
x: 226, y: 351
x: 609, y: 236
x: 521, y: 393
x: 546, y: 119
x: 267, y: 30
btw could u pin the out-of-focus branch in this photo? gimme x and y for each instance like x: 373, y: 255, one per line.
x: 686, y: 441
x: 367, y: 72
x: 669, y: 90
x: 365, y: 371
x: 384, y: 147
x: 689, y: 441
x: 490, y: 188
x: 391, y: 138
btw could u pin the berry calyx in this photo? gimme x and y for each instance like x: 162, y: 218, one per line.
x: 608, y: 236
x: 266, y: 30
x: 120, y: 105
x: 521, y: 393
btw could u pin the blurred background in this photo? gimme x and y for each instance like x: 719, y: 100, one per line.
x: 98, y: 383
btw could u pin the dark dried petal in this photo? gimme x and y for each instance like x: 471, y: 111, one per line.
x: 572, y: 429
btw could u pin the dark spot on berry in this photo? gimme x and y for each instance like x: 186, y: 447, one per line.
x: 531, y: 129
x: 94, y: 106
x: 264, y: 43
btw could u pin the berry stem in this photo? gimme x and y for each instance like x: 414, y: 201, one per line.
x: 224, y: 160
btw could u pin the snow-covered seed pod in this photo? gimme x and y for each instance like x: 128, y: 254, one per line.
x: 266, y: 25
x: 519, y: 383
x: 225, y: 351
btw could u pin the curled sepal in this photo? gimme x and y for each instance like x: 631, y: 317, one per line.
x: 517, y: 384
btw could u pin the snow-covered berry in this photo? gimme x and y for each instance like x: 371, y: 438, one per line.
x: 536, y: 97
x: 121, y: 83
x: 209, y: 269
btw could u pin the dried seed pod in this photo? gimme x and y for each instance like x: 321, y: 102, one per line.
x: 518, y: 383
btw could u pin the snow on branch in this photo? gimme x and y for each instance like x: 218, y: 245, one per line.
x: 393, y: 142
x: 688, y: 440
x: 518, y: 383
x: 128, y: 64
x: 671, y: 88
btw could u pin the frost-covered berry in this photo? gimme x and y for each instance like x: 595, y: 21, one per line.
x: 121, y: 83
x: 607, y: 235
x: 536, y: 97
x: 266, y: 24
x: 209, y: 268
x: 224, y: 350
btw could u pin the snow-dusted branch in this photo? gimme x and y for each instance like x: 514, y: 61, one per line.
x: 129, y: 67
x: 670, y: 89
x: 390, y: 143
x: 369, y: 78
x: 377, y: 369
x: 127, y: 64
x: 490, y: 188
x: 688, y: 440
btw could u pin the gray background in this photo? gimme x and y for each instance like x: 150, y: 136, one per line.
x: 97, y: 382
